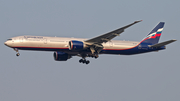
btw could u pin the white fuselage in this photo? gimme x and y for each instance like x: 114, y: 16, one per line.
x: 53, y: 43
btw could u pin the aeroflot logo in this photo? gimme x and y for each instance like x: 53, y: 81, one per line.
x: 153, y: 35
x: 35, y: 37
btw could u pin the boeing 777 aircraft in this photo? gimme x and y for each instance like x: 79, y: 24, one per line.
x: 65, y: 48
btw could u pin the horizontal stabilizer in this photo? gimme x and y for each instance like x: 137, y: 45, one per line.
x: 162, y: 43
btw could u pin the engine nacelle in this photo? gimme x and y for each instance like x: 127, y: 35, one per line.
x: 60, y: 56
x: 76, y: 45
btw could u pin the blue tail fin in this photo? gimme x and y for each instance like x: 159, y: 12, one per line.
x: 154, y: 35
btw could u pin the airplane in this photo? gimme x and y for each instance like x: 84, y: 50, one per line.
x: 65, y: 48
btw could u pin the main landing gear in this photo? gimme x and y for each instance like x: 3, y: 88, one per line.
x: 84, y: 61
x: 94, y: 56
x: 17, y: 52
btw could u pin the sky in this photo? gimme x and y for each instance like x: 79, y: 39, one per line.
x: 35, y: 76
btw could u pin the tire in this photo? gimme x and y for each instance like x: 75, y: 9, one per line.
x: 80, y: 60
x: 17, y: 54
x: 87, y: 62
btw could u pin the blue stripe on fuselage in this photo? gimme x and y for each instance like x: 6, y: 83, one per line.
x: 141, y: 48
x: 42, y: 49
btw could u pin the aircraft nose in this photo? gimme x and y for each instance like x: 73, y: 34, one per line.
x: 5, y: 43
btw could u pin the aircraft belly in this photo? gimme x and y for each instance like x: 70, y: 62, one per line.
x: 120, y: 49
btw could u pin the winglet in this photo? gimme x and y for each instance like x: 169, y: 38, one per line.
x: 131, y: 24
x: 138, y: 21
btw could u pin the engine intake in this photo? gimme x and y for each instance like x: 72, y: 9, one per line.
x: 76, y: 45
x: 60, y: 56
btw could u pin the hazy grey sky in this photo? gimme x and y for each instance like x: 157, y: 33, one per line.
x: 35, y: 76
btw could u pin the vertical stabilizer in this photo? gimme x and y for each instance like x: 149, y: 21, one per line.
x: 154, y: 35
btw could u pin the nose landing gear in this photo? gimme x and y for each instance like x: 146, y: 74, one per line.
x: 17, y: 52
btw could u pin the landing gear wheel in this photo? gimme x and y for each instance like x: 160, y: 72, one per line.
x: 17, y: 54
x: 96, y: 56
x: 84, y: 61
x: 17, y: 51
x: 81, y: 60
x: 87, y: 62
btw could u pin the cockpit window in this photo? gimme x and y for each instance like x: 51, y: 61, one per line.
x: 9, y: 39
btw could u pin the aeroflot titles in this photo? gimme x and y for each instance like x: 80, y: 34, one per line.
x: 35, y: 37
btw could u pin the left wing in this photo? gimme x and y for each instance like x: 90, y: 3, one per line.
x: 108, y: 36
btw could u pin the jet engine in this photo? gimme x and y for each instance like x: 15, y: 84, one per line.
x: 60, y: 56
x: 76, y: 45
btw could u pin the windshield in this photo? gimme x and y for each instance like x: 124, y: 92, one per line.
x: 9, y: 39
